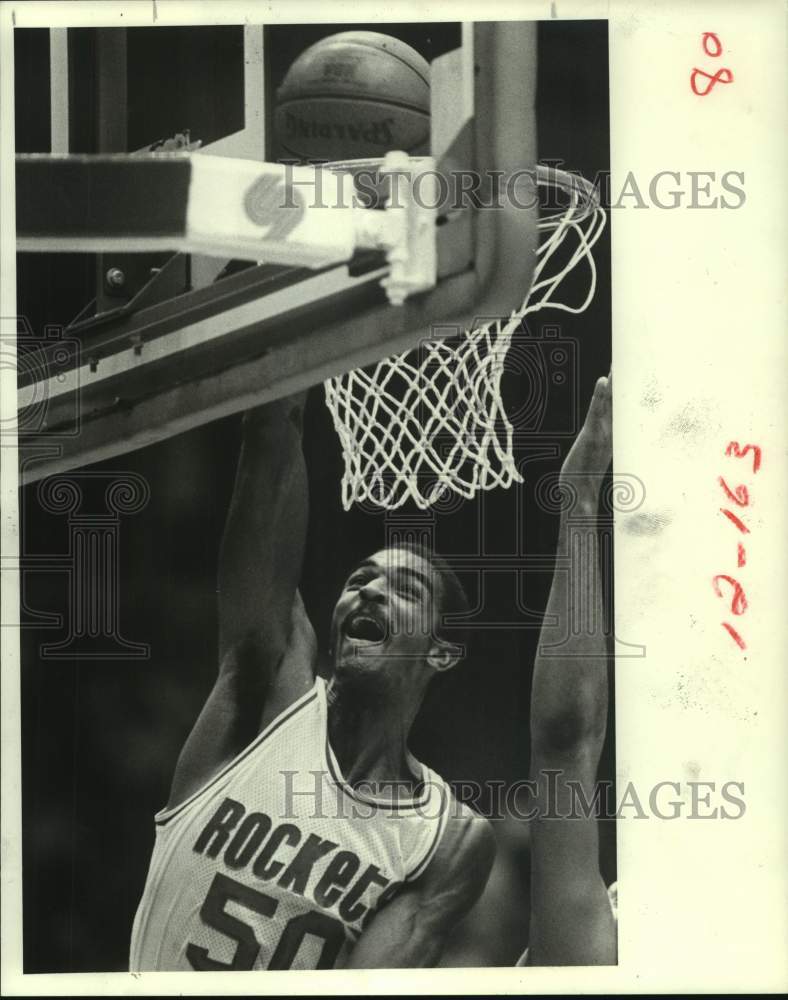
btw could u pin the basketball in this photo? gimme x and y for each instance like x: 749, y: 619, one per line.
x: 353, y: 95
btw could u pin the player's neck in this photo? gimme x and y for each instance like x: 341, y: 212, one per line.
x: 368, y: 732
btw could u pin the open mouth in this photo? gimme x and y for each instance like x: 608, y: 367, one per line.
x: 361, y: 627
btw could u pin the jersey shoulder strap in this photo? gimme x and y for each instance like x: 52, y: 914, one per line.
x: 435, y: 817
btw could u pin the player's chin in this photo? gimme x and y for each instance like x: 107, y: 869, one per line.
x: 357, y: 656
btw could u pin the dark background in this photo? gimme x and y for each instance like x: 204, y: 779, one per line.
x: 100, y: 738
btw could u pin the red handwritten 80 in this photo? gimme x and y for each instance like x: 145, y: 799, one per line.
x: 712, y: 47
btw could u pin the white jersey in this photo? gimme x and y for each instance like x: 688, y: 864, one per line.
x: 277, y: 863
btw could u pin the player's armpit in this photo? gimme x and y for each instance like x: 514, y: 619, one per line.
x: 232, y: 715
x: 294, y: 675
x: 411, y: 930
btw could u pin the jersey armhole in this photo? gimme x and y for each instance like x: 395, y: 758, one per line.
x: 163, y: 816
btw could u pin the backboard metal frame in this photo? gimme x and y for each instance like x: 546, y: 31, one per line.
x: 259, y: 335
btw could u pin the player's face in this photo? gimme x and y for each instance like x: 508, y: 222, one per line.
x: 387, y: 611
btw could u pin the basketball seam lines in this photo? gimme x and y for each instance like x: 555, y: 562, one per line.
x: 356, y: 100
x: 371, y: 45
x: 376, y: 48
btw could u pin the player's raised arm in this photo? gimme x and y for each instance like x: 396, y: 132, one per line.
x: 263, y: 543
x: 571, y: 918
x: 266, y: 643
x: 412, y: 930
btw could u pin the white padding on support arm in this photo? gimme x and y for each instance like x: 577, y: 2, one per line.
x: 268, y: 212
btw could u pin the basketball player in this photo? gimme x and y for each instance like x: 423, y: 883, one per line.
x: 572, y: 912
x: 300, y: 831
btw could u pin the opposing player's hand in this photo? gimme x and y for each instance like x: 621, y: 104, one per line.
x: 591, y: 454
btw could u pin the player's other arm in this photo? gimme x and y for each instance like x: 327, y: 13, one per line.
x: 266, y: 643
x: 411, y: 931
x: 571, y: 918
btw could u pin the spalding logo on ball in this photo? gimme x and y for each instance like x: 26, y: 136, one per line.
x: 353, y: 95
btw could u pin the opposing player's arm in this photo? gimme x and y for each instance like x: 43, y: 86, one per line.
x: 411, y: 931
x: 266, y: 643
x: 571, y: 917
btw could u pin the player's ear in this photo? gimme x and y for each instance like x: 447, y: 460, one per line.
x: 443, y: 655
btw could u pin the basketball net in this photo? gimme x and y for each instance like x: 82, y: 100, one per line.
x: 432, y: 420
